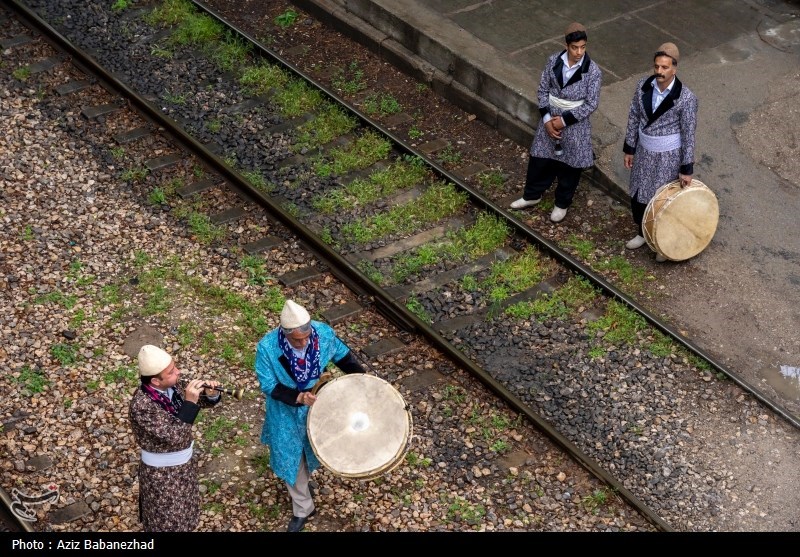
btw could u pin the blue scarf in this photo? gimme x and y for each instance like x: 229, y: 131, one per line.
x: 307, y: 368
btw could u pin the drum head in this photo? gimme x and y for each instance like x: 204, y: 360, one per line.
x: 359, y: 426
x: 680, y: 222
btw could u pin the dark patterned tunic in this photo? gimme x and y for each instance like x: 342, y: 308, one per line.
x: 169, y: 497
x: 576, y: 138
x: 677, y: 113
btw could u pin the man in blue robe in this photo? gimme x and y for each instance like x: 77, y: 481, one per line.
x: 289, y: 362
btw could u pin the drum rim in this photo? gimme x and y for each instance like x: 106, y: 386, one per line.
x: 649, y: 237
x: 392, y: 463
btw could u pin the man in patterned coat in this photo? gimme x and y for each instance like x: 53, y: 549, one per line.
x: 659, y: 141
x: 569, y: 92
x: 162, y: 413
x: 289, y: 362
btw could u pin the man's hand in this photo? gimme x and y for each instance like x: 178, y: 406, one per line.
x: 209, y: 390
x: 628, y: 161
x: 193, y: 390
x: 685, y: 179
x: 552, y: 131
x: 306, y: 398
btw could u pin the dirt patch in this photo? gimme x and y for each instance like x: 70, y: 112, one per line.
x: 770, y: 134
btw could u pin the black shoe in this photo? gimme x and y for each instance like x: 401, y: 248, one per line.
x: 297, y: 523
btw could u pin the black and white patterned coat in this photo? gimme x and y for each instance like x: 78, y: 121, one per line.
x: 576, y: 138
x: 677, y: 113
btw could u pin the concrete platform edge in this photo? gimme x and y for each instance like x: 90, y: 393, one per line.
x: 337, y: 16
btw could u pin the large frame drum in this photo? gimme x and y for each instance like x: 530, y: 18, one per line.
x: 359, y: 426
x: 679, y: 222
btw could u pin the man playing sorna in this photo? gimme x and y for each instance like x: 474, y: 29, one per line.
x: 162, y: 412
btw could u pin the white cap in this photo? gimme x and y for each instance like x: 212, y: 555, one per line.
x: 294, y: 315
x: 152, y: 360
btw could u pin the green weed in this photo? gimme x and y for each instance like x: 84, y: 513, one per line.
x: 32, y: 381
x: 437, y: 202
x: 214, y: 125
x: 350, y: 80
x: 620, y: 324
x: 170, y: 12
x: 330, y: 122
x: 177, y: 99
x: 296, y: 98
x: 460, y: 510
x: 231, y: 53
x: 219, y: 427
x: 383, y: 104
x: 67, y: 302
x: 500, y: 446
x: 259, y: 80
x: 469, y: 283
x: 366, y: 150
x: 582, y: 247
x: 491, y: 180
x: 22, y: 74
x: 66, y: 354
x: 134, y: 174
x: 449, y: 155
x: 156, y: 196
x: 125, y: 374
x: 372, y: 272
x: 261, y: 462
x: 415, y: 307
x: 401, y: 175
x: 120, y: 5
x: 595, y: 501
x: 576, y: 294
x: 286, y: 19
x: 629, y: 276
x: 203, y: 229
x: 256, y: 269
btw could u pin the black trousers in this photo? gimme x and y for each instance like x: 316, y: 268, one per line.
x: 637, y: 210
x: 540, y: 176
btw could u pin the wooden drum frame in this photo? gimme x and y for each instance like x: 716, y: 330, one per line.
x: 680, y: 222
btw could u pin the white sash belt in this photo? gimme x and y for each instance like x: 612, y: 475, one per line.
x: 660, y: 143
x: 564, y: 104
x: 161, y: 460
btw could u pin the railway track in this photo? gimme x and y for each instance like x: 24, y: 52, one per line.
x: 432, y: 255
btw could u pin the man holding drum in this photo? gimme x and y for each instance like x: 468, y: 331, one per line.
x: 660, y: 138
x: 289, y: 361
x: 569, y: 92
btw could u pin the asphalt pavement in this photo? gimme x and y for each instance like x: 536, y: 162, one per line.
x: 742, y: 60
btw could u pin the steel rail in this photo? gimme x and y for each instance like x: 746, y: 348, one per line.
x: 339, y: 266
x: 8, y: 503
x: 524, y: 230
x: 356, y: 280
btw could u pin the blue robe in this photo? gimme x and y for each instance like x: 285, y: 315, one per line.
x: 284, y: 428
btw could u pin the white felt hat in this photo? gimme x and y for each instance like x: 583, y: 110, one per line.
x: 152, y: 360
x: 294, y: 315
